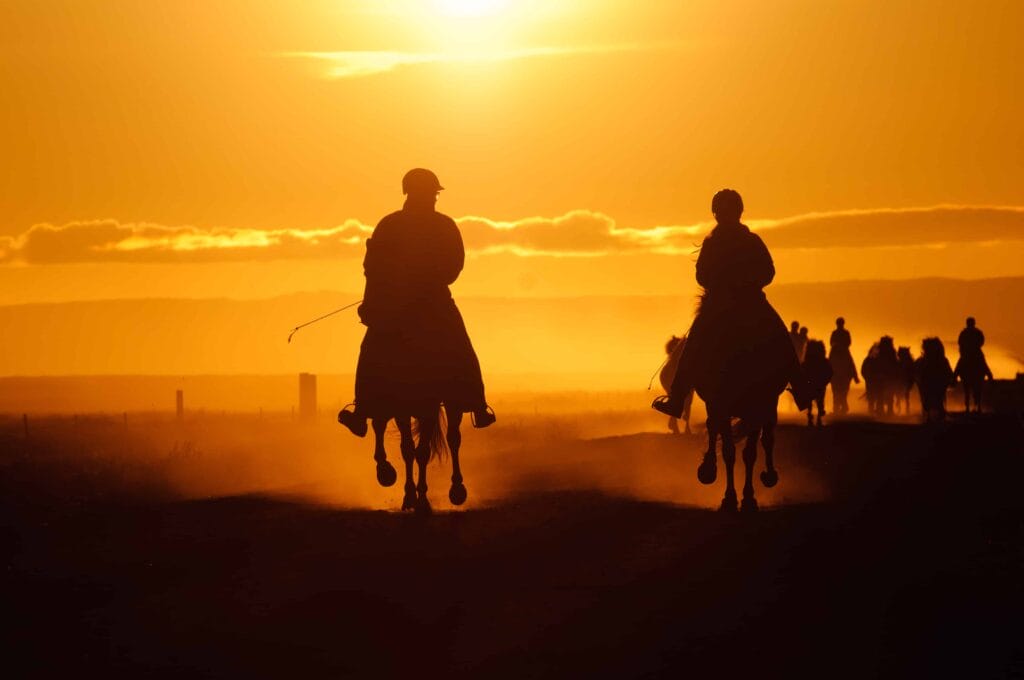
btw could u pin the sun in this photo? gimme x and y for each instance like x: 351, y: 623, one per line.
x: 470, y: 8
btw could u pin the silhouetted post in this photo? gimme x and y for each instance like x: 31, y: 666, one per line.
x: 179, y: 398
x: 24, y: 421
x: 307, y: 396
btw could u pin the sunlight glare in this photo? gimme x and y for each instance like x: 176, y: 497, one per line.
x: 470, y: 8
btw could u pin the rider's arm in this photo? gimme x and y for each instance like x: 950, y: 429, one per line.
x: 453, y: 254
x: 706, y: 264
x: 762, y: 267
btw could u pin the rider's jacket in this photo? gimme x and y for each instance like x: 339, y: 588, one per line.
x: 733, y: 262
x: 971, y: 340
x: 411, y: 259
x: 840, y: 339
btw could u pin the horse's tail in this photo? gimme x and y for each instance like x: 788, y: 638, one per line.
x: 439, y: 439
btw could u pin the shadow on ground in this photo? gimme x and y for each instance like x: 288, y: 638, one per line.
x: 911, y: 568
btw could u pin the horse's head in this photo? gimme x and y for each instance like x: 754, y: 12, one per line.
x: 672, y: 343
x: 815, y: 350
x: 932, y: 348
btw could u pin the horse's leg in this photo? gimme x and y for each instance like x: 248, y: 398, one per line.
x: 967, y: 397
x: 769, y: 477
x: 427, y: 426
x: 688, y: 404
x: 707, y: 472
x: 729, y: 458
x: 749, y: 458
x: 408, y: 456
x: 386, y: 474
x: 673, y: 425
x: 457, y: 492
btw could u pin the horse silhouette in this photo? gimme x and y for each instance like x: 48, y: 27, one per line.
x: 434, y: 439
x: 818, y: 372
x: 674, y: 348
x: 933, y: 376
x: 972, y: 370
x: 745, y: 378
x: 906, y: 384
x: 844, y: 370
x: 881, y: 371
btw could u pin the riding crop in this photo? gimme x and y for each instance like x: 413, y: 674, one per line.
x: 321, y: 318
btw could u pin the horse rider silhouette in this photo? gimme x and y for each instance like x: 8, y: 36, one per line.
x: 416, y: 352
x: 733, y: 267
x: 972, y: 367
x: 844, y: 369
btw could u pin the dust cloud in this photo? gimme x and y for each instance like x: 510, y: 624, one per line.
x: 543, y: 442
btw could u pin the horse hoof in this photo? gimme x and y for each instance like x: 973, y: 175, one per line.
x: 457, y: 494
x: 728, y: 503
x: 749, y: 504
x: 422, y: 506
x: 409, y: 502
x: 769, y: 478
x: 386, y: 474
x: 707, y: 473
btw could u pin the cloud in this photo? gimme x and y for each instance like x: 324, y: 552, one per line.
x: 111, y: 241
x: 362, y: 63
x: 579, y: 233
x: 895, y: 227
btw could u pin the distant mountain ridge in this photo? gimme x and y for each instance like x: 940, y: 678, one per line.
x: 600, y: 335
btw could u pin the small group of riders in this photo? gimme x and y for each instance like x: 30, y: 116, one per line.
x: 416, y: 353
x: 890, y: 373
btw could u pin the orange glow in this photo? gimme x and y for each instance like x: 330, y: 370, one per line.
x: 245, y: 150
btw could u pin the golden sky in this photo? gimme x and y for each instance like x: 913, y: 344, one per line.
x: 245, y: 148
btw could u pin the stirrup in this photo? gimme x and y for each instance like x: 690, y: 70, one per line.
x: 664, y: 404
x: 484, y: 418
x: 355, y: 423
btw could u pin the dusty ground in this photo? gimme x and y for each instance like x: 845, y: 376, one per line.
x: 886, y: 550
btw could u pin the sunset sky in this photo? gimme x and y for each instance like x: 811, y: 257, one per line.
x: 246, y: 148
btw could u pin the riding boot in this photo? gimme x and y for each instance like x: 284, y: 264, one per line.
x: 483, y: 417
x: 353, y: 420
x: 670, y: 405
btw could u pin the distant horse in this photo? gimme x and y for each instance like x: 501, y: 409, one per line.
x: 933, y: 376
x: 674, y: 348
x: 972, y: 370
x: 818, y: 372
x: 881, y: 371
x: 433, y: 442
x: 744, y: 377
x: 844, y: 370
x: 906, y: 383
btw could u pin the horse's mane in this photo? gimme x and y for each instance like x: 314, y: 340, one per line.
x: 815, y: 350
x: 932, y: 348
